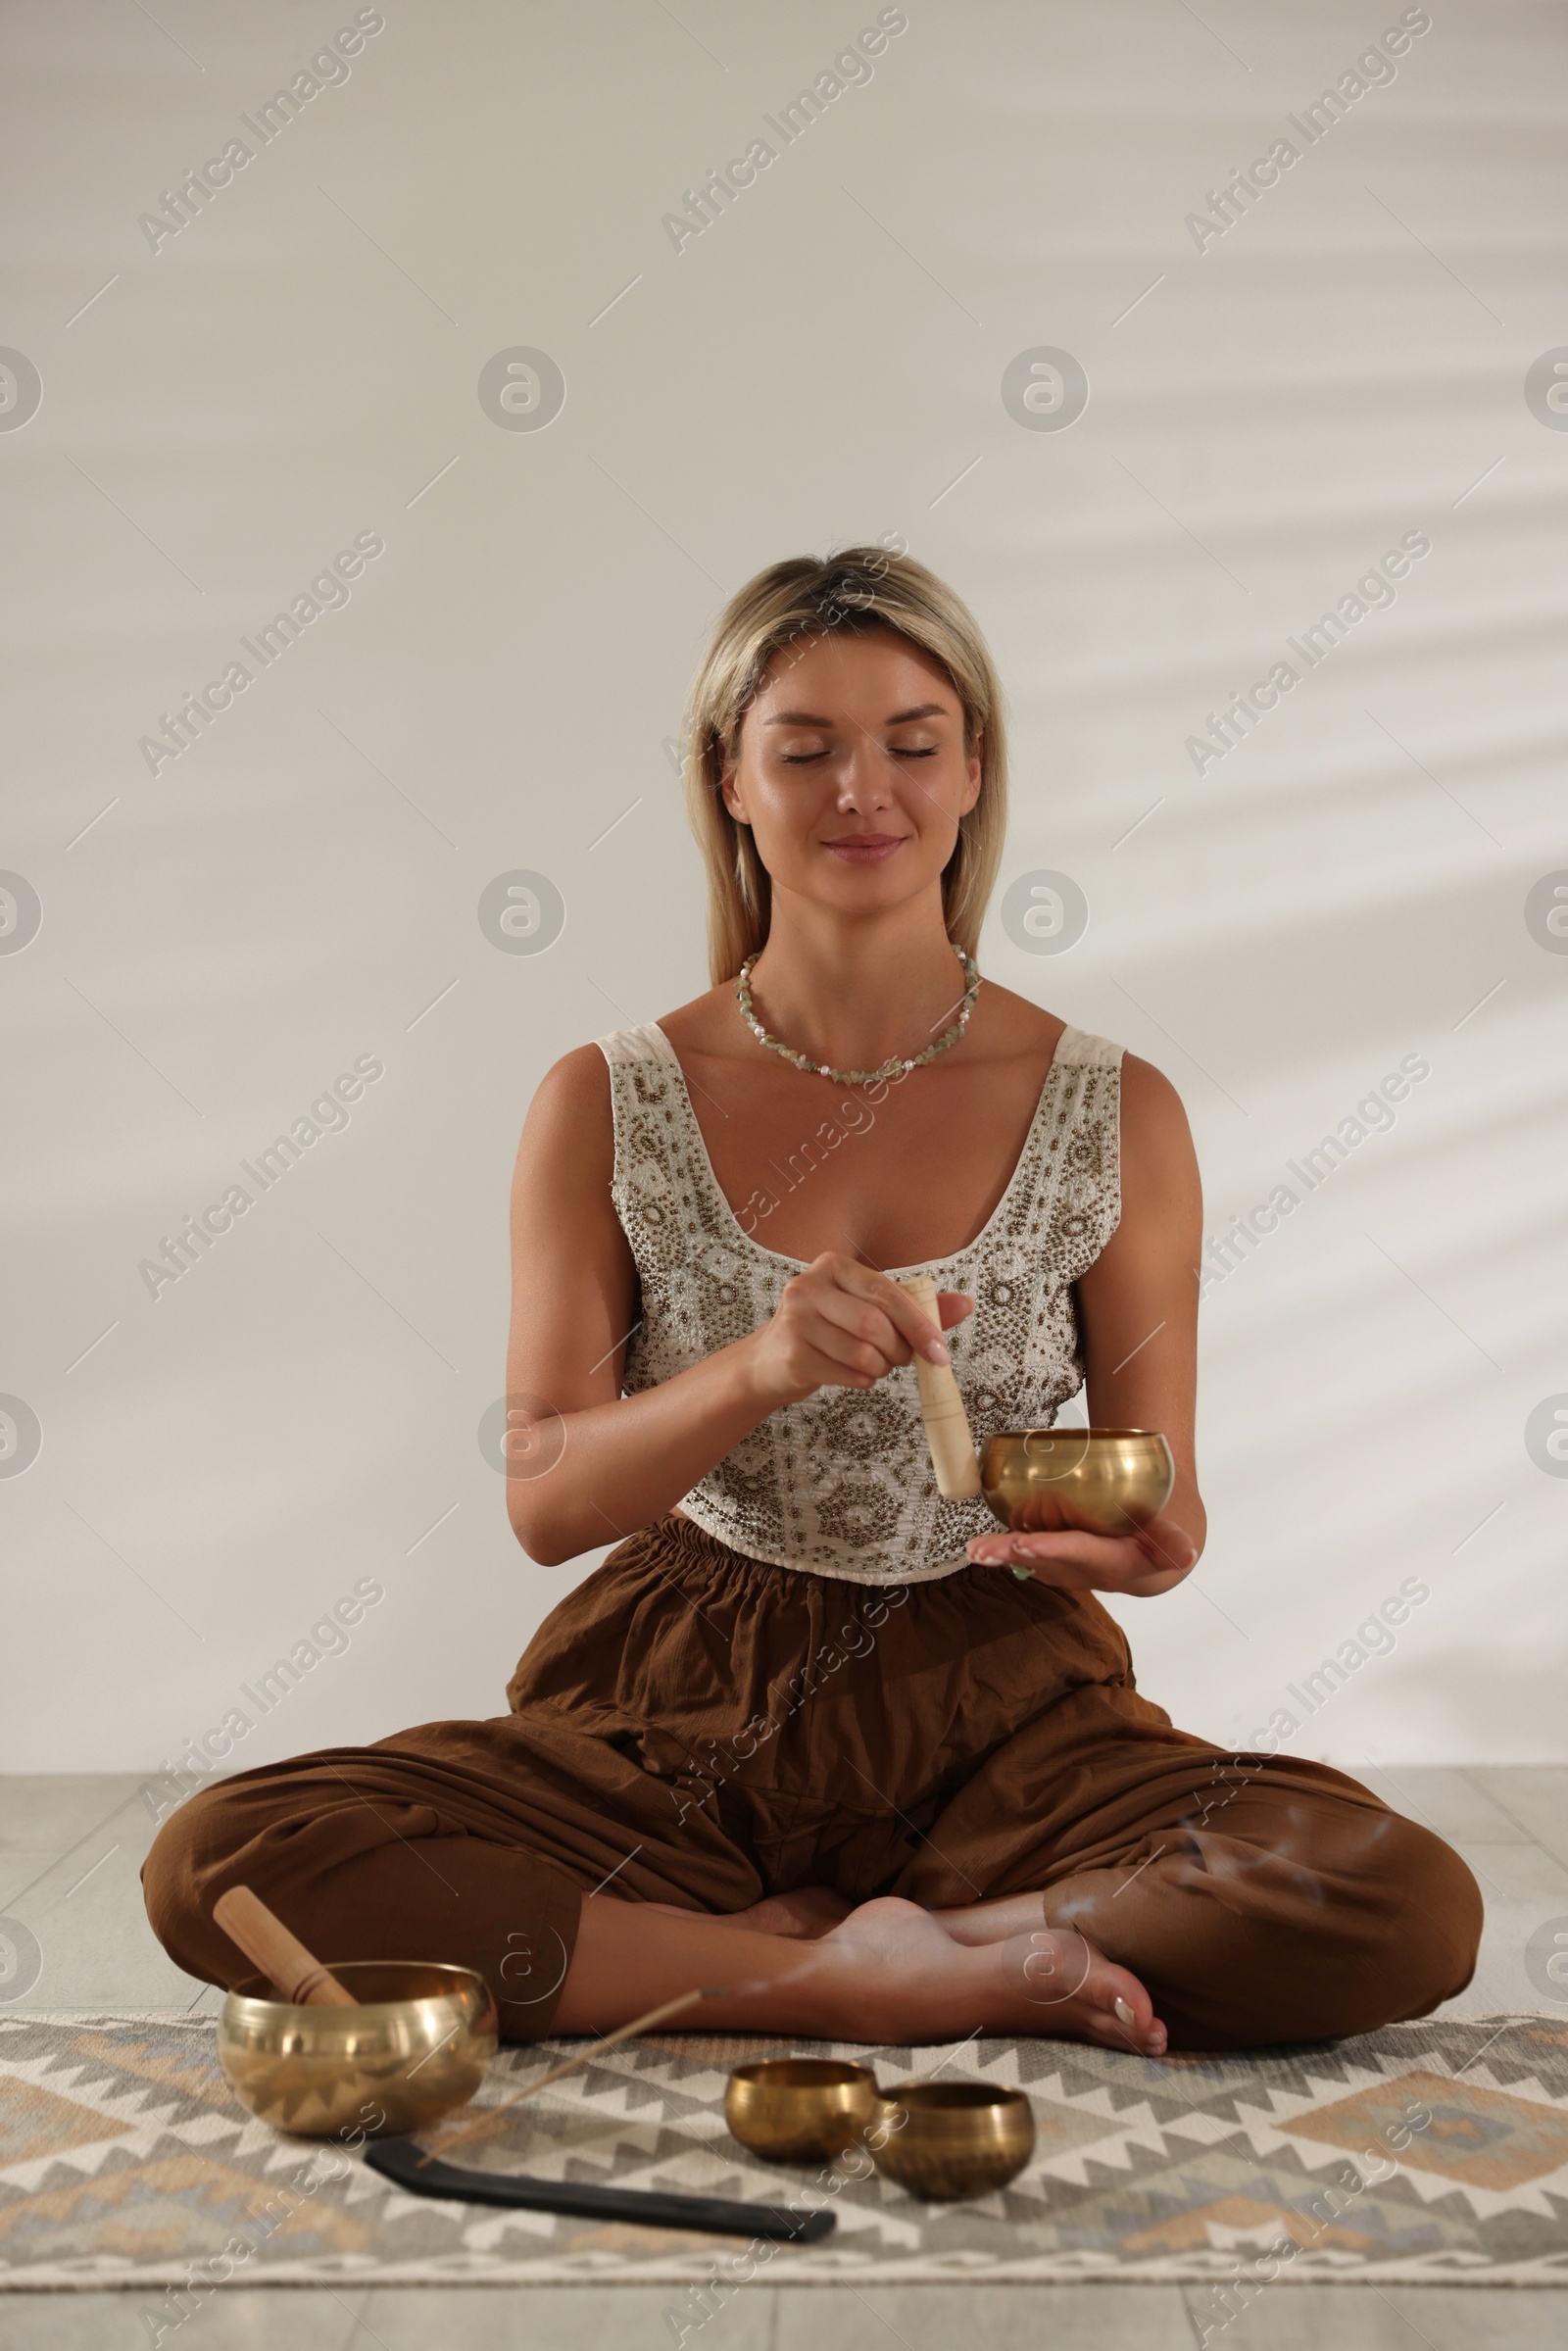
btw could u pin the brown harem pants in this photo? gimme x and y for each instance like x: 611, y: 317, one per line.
x: 691, y: 1726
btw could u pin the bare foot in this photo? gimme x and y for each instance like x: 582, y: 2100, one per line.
x: 1047, y: 1980
x: 993, y: 1922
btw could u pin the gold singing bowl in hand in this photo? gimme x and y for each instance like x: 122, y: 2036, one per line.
x: 1101, y: 1481
x: 416, y: 2046
x: 795, y: 2109
x: 946, y: 2139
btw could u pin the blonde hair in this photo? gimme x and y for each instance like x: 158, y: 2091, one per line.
x: 852, y: 593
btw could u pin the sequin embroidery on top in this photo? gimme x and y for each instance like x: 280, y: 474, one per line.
x: 842, y: 1483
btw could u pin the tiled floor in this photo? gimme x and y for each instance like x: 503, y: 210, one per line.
x: 69, y: 1851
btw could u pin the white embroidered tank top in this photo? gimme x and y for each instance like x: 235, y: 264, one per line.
x: 842, y: 1483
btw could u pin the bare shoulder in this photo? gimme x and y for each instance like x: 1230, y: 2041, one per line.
x: 1151, y: 1109
x: 1158, y: 1164
x: 570, y: 1113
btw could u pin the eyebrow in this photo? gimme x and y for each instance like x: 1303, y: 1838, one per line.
x: 921, y: 710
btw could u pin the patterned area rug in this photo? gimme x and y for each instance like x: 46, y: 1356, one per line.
x: 1426, y: 2153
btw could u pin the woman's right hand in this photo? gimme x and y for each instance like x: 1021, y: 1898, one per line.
x: 841, y: 1324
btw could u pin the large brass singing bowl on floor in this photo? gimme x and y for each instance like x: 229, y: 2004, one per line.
x: 800, y: 2109
x: 946, y: 2139
x: 1102, y: 1481
x: 416, y: 2046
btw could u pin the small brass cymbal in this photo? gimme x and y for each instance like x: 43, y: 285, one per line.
x: 795, y: 2109
x: 948, y: 2139
x: 1102, y: 1481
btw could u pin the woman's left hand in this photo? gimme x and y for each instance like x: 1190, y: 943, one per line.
x: 1149, y: 1560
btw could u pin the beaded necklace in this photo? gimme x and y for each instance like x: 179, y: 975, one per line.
x: 896, y: 1066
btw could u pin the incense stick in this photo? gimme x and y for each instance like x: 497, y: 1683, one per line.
x: 640, y: 2023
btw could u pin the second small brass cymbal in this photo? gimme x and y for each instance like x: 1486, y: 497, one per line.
x: 949, y: 2139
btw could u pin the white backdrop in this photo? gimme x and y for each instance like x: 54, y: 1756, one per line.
x: 233, y: 386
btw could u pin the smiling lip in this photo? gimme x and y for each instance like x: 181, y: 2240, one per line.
x: 865, y: 849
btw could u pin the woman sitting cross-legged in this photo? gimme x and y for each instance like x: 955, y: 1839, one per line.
x: 813, y: 1734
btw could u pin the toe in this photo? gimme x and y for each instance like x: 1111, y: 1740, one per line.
x: 1139, y: 2031
x: 1116, y: 2009
x: 1125, y: 2032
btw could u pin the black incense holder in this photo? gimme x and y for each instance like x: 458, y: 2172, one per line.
x: 401, y: 2160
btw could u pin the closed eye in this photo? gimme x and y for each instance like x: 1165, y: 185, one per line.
x: 805, y: 759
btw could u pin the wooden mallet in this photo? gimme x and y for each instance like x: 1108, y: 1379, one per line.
x: 947, y: 1424
x: 281, y: 1957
